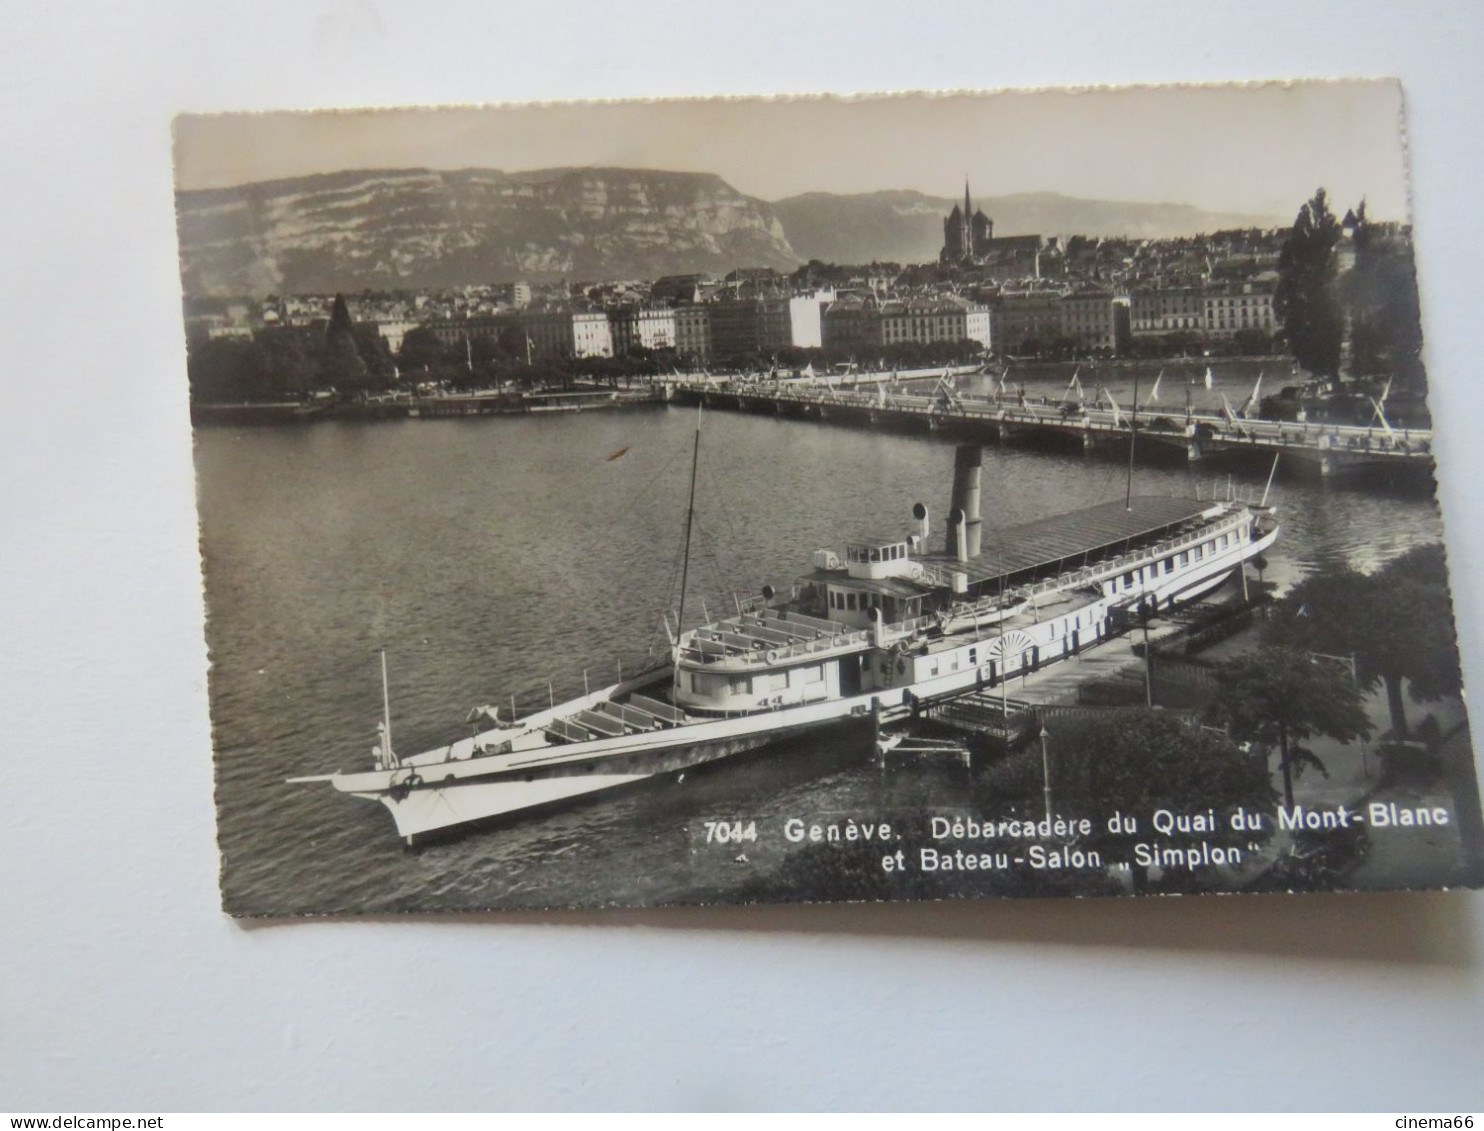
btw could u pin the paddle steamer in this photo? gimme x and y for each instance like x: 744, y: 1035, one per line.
x: 878, y: 627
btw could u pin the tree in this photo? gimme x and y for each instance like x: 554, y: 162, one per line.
x: 421, y: 349
x: 1397, y: 623
x: 1380, y: 294
x: 1307, y: 299
x: 1416, y: 637
x: 1134, y: 762
x: 341, y: 365
x: 1280, y: 695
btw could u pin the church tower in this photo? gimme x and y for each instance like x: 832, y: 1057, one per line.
x: 966, y: 233
x: 968, y: 237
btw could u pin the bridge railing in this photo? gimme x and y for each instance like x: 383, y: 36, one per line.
x: 1047, y: 411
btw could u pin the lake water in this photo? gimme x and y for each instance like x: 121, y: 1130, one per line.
x: 490, y: 556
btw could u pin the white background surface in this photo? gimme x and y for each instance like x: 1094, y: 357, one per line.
x: 123, y: 988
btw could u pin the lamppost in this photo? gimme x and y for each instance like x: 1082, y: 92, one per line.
x: 1046, y: 773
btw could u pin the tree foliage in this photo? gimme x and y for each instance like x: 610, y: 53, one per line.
x: 1380, y: 293
x: 1140, y: 760
x: 1279, y: 696
x: 1397, y: 623
x: 341, y: 365
x: 1307, y: 296
x: 1133, y: 762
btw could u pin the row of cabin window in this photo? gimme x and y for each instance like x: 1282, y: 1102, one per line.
x: 847, y: 601
x: 1183, y: 559
x: 876, y: 554
x: 708, y: 683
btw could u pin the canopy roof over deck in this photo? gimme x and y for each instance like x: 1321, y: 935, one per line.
x: 1068, y: 540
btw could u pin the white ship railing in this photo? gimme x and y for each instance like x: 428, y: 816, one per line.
x: 1098, y: 571
x: 766, y: 653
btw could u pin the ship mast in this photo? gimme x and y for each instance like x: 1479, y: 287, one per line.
x: 388, y: 756
x: 690, y: 514
x: 1133, y: 431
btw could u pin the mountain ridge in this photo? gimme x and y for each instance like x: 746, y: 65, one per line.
x: 415, y: 227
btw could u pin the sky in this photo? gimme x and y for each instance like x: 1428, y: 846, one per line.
x: 1260, y: 149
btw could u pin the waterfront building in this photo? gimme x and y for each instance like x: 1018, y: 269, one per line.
x: 805, y: 318
x: 651, y: 328
x: 1021, y: 320
x: 936, y: 319
x: 566, y: 334
x: 1090, y: 318
x: 1230, y: 310
x: 851, y: 322
x: 750, y: 326
x: 1178, y: 310
x: 456, y: 331
x: 977, y: 324
x: 548, y: 334
x: 590, y: 335
x: 655, y: 326
x: 693, y: 332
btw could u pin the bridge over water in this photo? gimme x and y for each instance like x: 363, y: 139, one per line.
x: 1329, y: 449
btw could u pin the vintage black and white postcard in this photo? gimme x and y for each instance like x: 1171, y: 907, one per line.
x: 902, y: 497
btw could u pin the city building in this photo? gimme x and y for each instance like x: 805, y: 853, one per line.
x: 852, y: 322
x: 1025, y: 320
x: 806, y: 318
x: 1167, y: 311
x: 591, y: 336
x: 693, y: 332
x: 742, y: 326
x: 1090, y: 318
x: 517, y: 295
x: 680, y: 290
x: 566, y: 334
x: 1230, y: 310
x: 645, y: 327
x: 969, y: 240
x: 929, y: 320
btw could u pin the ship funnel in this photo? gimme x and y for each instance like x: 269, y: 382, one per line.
x: 958, y: 538
x: 966, y: 461
x: 920, y: 521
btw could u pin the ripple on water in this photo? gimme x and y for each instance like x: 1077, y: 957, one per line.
x: 490, y: 556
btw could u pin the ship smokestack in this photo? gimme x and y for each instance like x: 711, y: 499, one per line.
x: 966, y: 462
x: 958, y: 538
x: 920, y: 521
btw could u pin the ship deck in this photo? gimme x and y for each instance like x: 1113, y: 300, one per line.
x: 1067, y: 541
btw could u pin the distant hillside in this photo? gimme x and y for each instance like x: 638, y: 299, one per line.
x: 907, y: 227
x: 421, y: 228
x: 416, y: 228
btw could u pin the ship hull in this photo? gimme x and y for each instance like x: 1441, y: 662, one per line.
x: 435, y: 805
x: 545, y: 760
